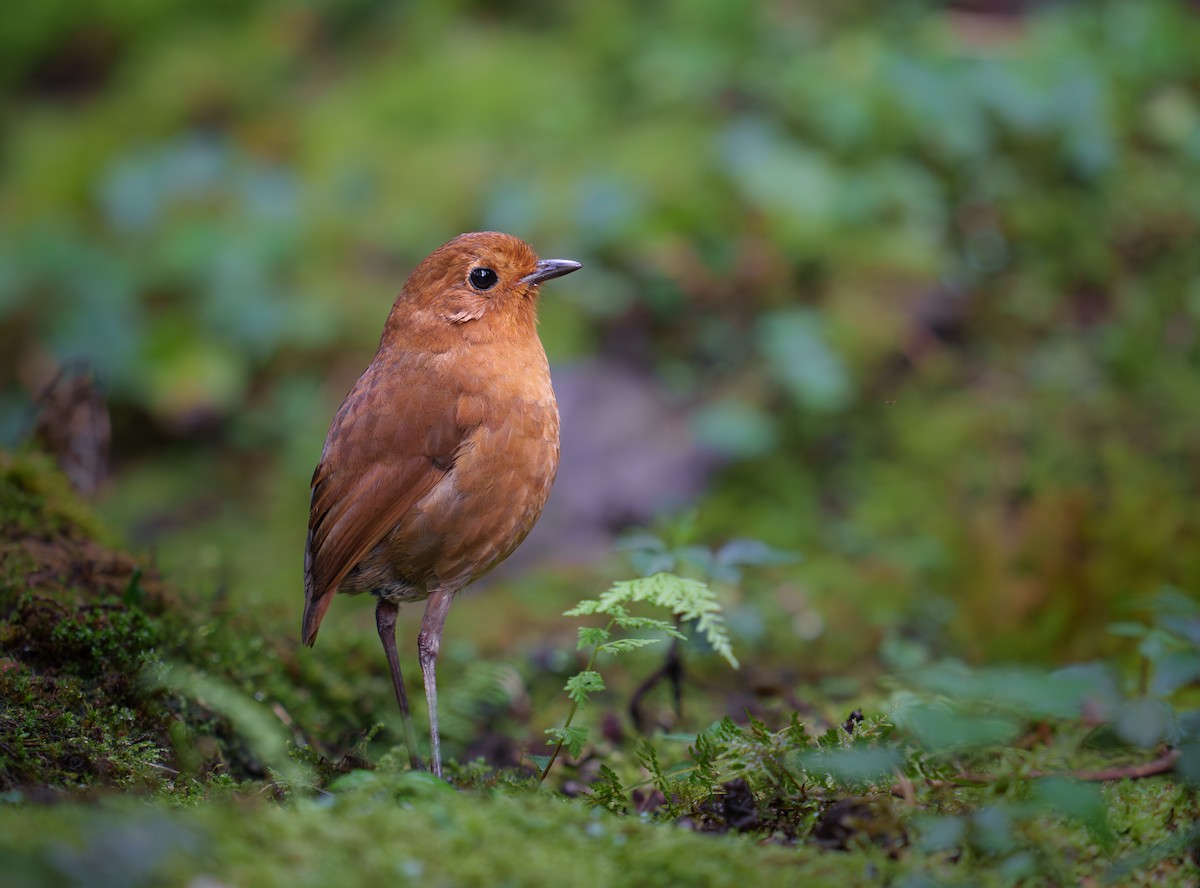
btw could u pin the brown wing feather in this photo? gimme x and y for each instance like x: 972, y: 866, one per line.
x: 385, y: 450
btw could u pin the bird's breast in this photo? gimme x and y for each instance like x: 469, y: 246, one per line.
x: 496, y: 490
x: 497, y: 484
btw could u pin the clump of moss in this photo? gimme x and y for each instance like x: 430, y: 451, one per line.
x: 78, y: 623
x: 105, y: 678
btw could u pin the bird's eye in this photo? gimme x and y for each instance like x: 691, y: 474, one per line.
x: 482, y: 278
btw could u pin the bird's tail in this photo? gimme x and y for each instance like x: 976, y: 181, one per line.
x: 316, y: 601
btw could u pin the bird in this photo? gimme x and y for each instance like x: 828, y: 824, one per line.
x: 441, y: 457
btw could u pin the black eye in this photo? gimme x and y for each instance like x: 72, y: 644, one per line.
x: 482, y: 278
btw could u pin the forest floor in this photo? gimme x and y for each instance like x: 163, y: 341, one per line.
x: 142, y: 744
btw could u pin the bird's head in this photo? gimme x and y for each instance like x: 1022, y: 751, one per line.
x: 483, y: 280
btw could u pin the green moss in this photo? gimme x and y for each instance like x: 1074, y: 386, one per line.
x: 409, y: 828
x: 77, y: 624
x: 107, y: 678
x: 36, y: 500
x: 404, y: 830
x: 81, y: 627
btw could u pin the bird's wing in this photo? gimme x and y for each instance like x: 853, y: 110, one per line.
x: 387, y: 447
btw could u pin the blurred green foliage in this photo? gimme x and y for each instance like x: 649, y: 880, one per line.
x: 928, y: 279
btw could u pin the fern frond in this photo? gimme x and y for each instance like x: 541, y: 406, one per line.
x: 620, y: 645
x: 648, y: 623
x: 690, y: 600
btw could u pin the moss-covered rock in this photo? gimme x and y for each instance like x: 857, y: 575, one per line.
x: 79, y: 622
x: 97, y: 686
x: 109, y: 678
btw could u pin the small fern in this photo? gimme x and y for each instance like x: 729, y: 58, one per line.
x: 687, y: 600
x: 690, y: 600
x: 608, y: 791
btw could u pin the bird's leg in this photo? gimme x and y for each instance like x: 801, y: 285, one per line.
x: 428, y: 644
x: 385, y: 622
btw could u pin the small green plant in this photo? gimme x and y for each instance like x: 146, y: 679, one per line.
x: 688, y: 601
x: 1163, y: 709
x: 675, y: 551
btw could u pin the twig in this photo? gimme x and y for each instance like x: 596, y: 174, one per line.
x: 672, y: 668
x: 1164, y: 764
x: 1161, y: 765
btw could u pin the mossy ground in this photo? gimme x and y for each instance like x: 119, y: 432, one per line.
x: 164, y: 743
x: 408, y: 829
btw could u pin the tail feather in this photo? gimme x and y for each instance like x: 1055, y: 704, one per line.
x: 316, y: 601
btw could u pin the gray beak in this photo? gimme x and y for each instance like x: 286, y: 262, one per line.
x: 551, y: 268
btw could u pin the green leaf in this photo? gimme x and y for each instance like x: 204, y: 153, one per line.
x: 1188, y: 629
x: 647, y: 563
x: 1143, y: 722
x: 580, y: 685
x: 590, y: 636
x: 942, y: 833
x: 678, y: 738
x: 621, y: 645
x: 641, y: 541
x: 993, y: 828
x: 647, y: 553
x: 574, y: 738
x: 648, y: 756
x: 1188, y: 766
x: 421, y: 785
x: 732, y: 427
x: 648, y: 623
x: 1174, y: 671
x: 1028, y: 691
x: 688, y: 599
x: 852, y: 764
x: 699, y: 557
x: 1128, y: 629
x: 134, y: 594
x: 1155, y: 644
x: 666, y: 590
x: 753, y: 552
x: 1172, y: 601
x: 796, y: 349
x: 607, y: 790
x: 584, y: 608
x: 712, y: 627
x: 943, y: 727
x: 609, y: 775
x: 356, y: 779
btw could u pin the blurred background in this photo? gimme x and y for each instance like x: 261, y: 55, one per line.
x: 911, y: 289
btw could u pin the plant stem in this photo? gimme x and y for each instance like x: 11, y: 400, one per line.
x: 574, y: 708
